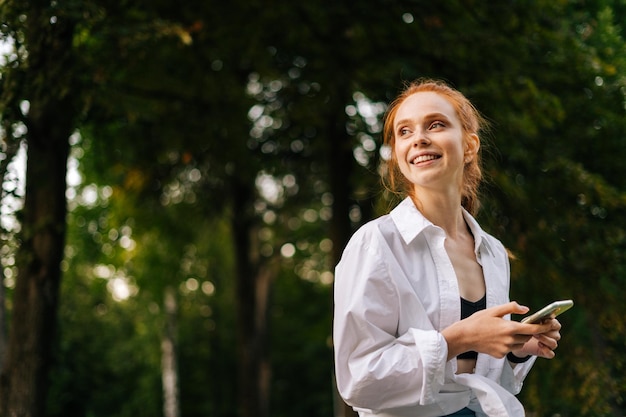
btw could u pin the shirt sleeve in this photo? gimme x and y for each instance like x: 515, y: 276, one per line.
x: 513, y: 377
x: 375, y: 367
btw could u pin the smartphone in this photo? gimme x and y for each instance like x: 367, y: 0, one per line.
x: 555, y: 308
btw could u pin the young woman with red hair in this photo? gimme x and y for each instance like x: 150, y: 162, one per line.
x: 422, y: 312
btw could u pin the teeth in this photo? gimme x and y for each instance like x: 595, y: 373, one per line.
x: 424, y: 158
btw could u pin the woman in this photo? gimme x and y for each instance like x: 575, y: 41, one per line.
x: 422, y: 313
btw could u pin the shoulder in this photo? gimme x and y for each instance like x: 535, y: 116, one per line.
x: 393, y: 231
x: 369, y: 233
x: 363, y: 260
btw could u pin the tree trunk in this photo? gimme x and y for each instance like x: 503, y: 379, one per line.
x: 247, y: 345
x: 10, y: 152
x: 36, y: 290
x: 3, y: 322
x: 254, y: 281
x: 9, y: 108
x: 169, y: 367
x: 46, y: 85
x: 341, y: 161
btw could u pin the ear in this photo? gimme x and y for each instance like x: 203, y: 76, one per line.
x: 472, y: 145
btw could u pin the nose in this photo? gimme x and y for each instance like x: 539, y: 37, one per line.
x: 421, y: 139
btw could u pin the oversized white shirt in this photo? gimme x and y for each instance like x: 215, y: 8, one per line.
x: 395, y: 290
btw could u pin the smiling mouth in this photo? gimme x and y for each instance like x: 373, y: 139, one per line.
x: 424, y: 158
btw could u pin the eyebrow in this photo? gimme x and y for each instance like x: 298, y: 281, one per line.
x: 429, y: 116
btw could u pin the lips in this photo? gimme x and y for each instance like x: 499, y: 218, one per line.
x: 424, y: 158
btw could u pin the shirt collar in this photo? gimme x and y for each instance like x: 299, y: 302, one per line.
x: 411, y: 222
x: 480, y: 236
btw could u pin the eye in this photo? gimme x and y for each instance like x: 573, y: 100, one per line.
x: 436, y: 125
x: 403, y: 131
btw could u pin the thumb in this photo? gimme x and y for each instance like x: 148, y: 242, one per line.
x: 509, y: 308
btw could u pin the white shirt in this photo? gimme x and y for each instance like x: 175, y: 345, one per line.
x: 395, y: 290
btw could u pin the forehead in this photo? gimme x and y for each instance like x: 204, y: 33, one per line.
x: 423, y: 104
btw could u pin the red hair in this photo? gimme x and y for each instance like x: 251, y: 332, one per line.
x: 471, y: 123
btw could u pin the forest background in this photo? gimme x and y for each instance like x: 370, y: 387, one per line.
x: 193, y: 170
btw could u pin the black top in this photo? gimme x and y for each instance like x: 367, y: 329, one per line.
x: 467, y: 309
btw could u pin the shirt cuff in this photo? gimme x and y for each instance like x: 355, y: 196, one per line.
x: 515, y: 359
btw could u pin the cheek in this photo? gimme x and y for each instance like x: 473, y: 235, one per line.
x: 397, y: 157
x: 401, y: 164
x: 456, y: 148
x: 400, y: 149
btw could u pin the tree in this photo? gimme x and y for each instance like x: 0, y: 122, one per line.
x: 41, y: 75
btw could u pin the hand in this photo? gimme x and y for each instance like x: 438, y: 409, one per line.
x: 542, y: 344
x: 488, y: 332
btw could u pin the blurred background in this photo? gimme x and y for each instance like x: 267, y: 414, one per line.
x: 179, y: 180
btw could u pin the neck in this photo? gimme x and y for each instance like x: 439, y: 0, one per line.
x: 443, y: 210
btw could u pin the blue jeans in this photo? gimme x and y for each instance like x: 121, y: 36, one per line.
x: 462, y: 413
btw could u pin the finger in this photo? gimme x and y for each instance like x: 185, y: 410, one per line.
x: 547, y: 319
x: 554, y: 323
x: 534, y: 329
x: 544, y: 351
x: 508, y: 308
x: 522, y: 338
x: 545, y: 336
x: 553, y: 334
x: 548, y: 342
x: 553, y: 329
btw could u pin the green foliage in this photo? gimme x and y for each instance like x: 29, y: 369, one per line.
x: 109, y: 355
x: 108, y: 363
x: 301, y: 354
